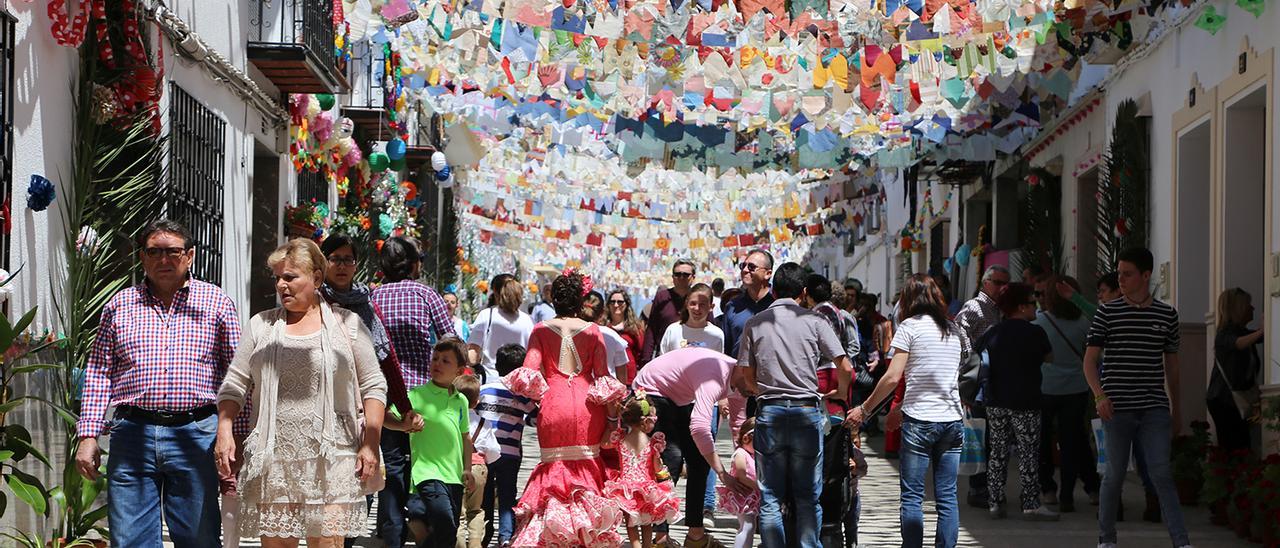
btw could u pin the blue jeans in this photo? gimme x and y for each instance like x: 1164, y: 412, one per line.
x: 153, y: 469
x: 502, y: 487
x: 393, y: 498
x: 923, y: 443
x: 1151, y: 429
x: 709, y: 500
x: 788, y: 442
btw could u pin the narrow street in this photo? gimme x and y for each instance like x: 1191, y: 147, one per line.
x: 879, y: 523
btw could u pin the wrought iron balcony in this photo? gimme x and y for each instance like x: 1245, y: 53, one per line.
x: 292, y: 43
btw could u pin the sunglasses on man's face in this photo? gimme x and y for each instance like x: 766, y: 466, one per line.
x: 681, y: 274
x: 170, y: 252
x: 749, y: 267
x: 999, y: 282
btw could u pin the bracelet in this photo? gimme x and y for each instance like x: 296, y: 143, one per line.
x: 1099, y: 398
x: 611, y: 418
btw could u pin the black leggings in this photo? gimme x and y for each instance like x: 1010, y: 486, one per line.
x: 1065, y: 415
x: 673, y: 422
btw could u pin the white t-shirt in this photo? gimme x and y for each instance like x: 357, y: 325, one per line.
x: 933, y: 370
x: 501, y: 330
x: 615, y: 350
x: 679, y: 336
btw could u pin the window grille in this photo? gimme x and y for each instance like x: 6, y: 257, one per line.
x: 197, y: 139
x: 7, y: 42
x: 312, y: 185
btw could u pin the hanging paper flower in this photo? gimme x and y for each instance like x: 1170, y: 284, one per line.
x: 385, y: 224
x: 40, y: 193
x: 6, y: 285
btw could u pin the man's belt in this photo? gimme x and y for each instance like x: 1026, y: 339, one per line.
x: 164, y: 418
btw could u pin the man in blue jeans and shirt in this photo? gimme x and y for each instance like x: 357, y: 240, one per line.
x: 1137, y: 338
x: 778, y: 359
x: 162, y: 349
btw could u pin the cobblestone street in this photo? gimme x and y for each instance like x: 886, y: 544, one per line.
x: 879, y: 523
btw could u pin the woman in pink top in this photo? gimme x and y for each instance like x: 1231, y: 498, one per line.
x: 684, y: 387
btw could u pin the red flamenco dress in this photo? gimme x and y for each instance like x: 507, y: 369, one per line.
x: 563, y: 505
x: 636, y: 488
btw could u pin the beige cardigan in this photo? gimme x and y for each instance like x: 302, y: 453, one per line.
x: 352, y: 375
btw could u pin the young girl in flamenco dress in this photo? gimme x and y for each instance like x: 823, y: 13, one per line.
x: 643, y: 487
x: 564, y: 368
x: 745, y: 506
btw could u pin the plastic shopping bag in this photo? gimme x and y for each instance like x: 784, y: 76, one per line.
x: 973, y: 460
x: 1100, y: 438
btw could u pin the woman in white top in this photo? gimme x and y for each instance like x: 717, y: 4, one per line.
x: 500, y: 324
x: 695, y: 327
x: 928, y: 350
x: 318, y: 400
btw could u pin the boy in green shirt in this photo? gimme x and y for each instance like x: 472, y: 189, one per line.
x: 440, y: 452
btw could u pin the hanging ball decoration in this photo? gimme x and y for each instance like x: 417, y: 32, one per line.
x: 963, y: 254
x: 378, y: 162
x: 396, y: 148
x: 40, y: 193
x: 438, y: 161
x: 946, y: 264
x: 398, y: 164
x: 385, y: 224
x: 345, y: 128
x: 326, y: 100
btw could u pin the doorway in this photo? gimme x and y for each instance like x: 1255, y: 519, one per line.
x: 1192, y: 292
x: 1244, y: 194
x: 265, y: 229
x: 1087, y: 271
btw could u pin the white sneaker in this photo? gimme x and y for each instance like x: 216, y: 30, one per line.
x: 1042, y: 513
x: 1106, y: 545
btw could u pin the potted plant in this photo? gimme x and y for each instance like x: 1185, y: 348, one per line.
x: 1215, y: 493
x: 306, y: 220
x: 1188, y: 462
x: 1241, y: 509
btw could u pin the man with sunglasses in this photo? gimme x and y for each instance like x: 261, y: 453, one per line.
x: 162, y: 349
x: 975, y: 318
x: 755, y: 269
x: 665, y: 308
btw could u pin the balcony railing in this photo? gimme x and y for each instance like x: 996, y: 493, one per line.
x: 292, y: 43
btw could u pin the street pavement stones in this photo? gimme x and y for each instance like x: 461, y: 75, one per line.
x: 878, y: 526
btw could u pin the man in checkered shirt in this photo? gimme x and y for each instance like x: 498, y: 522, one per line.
x: 975, y: 318
x: 162, y: 349
x: 416, y: 317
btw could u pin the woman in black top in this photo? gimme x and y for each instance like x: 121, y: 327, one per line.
x: 1235, y: 350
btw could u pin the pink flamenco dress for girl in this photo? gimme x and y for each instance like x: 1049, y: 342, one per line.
x: 562, y: 504
x: 737, y: 503
x: 636, y: 487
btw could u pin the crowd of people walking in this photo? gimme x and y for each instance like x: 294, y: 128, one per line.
x: 287, y: 429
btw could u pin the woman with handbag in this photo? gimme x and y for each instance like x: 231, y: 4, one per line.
x: 1233, y: 383
x: 1065, y: 397
x: 319, y: 398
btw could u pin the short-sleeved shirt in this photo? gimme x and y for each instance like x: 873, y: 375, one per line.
x: 1016, y: 348
x: 493, y: 329
x: 737, y: 312
x: 415, y: 317
x: 1134, y: 341
x: 680, y: 335
x: 932, y: 374
x: 1064, y: 374
x: 436, y: 450
x: 785, y: 343
x: 506, y: 413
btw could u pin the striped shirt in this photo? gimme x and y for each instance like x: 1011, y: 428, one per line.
x: 157, y: 359
x: 932, y: 374
x: 506, y: 413
x: 416, y: 318
x: 1134, y: 342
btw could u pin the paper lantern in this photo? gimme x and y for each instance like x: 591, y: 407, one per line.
x: 438, y: 161
x: 398, y: 164
x: 378, y: 162
x: 396, y: 148
x: 963, y: 254
x: 410, y: 191
x: 326, y: 100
